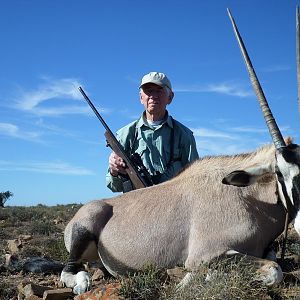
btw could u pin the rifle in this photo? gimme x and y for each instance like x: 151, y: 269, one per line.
x: 135, y: 169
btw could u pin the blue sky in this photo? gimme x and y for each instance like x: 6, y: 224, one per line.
x: 53, y: 149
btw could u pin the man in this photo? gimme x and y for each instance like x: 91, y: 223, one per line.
x: 164, y: 145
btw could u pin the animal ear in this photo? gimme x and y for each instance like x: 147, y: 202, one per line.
x: 238, y: 178
x: 249, y: 175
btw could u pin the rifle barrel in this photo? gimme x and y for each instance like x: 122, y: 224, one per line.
x: 132, y: 170
x: 94, y: 109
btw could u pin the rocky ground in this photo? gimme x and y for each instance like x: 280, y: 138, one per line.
x: 31, y: 239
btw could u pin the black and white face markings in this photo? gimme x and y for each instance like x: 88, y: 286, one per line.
x: 288, y: 174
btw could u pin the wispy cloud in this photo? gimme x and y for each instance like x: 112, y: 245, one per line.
x: 207, y: 146
x: 276, y: 68
x: 227, y: 88
x: 60, y: 168
x: 248, y: 129
x: 51, y: 129
x: 49, y: 91
x: 205, y: 132
x: 230, y: 140
x: 12, y: 130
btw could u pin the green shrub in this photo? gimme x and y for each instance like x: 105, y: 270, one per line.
x: 56, y: 250
x: 43, y: 227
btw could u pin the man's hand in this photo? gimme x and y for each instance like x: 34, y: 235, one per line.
x: 116, y: 164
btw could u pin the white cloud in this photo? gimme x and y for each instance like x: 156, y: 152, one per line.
x: 205, y: 132
x: 227, y: 88
x: 232, y: 140
x: 53, y: 89
x: 62, y: 110
x: 229, y: 140
x: 11, y: 130
x: 60, y: 168
x: 276, y: 68
x: 249, y: 129
x: 221, y: 147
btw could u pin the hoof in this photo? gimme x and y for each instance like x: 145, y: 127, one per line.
x: 270, y: 274
x: 80, y: 282
x: 83, y: 283
x: 68, y: 279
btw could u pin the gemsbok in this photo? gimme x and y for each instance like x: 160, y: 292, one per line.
x: 216, y: 206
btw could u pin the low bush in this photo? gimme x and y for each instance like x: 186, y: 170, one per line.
x: 147, y: 284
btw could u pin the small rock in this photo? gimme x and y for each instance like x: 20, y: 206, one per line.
x: 25, y: 237
x: 59, y: 294
x: 14, y: 246
x: 59, y: 284
x: 34, y: 297
x: 20, y: 296
x: 109, y: 292
x: 34, y: 289
x: 296, y: 258
x: 9, y: 260
x: 176, y: 274
x: 94, y: 294
x: 58, y: 221
x: 12, y: 263
x: 98, y: 274
x: 21, y: 286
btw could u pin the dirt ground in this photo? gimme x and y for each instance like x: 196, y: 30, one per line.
x: 27, y: 233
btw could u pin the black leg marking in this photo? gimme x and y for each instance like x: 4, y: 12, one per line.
x: 73, y: 267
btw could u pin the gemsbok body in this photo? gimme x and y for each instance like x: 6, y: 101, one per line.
x: 190, y: 219
x: 216, y: 206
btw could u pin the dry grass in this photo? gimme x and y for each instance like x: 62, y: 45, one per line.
x: 232, y: 280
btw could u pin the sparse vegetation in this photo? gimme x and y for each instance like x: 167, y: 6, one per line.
x: 232, y: 280
x: 226, y: 279
x: 6, y: 291
x: 42, y: 227
x: 55, y: 249
x: 147, y: 284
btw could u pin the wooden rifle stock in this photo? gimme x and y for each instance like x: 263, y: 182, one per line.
x: 136, y: 179
x: 137, y: 173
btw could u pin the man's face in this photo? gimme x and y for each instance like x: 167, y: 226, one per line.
x: 155, y: 98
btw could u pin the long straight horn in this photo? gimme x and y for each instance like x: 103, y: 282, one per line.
x: 298, y: 53
x: 271, y: 123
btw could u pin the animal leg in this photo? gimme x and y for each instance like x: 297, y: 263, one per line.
x: 81, y: 239
x: 73, y: 274
x: 268, y: 271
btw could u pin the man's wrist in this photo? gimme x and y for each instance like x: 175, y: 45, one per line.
x: 113, y: 174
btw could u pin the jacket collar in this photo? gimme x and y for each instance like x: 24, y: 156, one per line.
x: 143, y: 122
